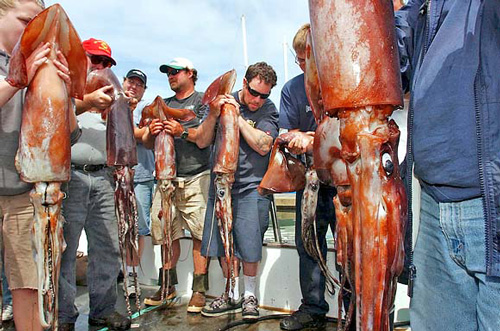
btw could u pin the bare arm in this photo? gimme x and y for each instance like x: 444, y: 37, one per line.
x: 150, y: 133
x: 33, y: 62
x: 139, y: 133
x: 204, y: 134
x: 7, y: 91
x: 97, y: 100
x: 301, y: 144
x: 257, y: 139
x: 176, y: 129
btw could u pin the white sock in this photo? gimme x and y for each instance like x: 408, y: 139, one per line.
x: 130, y: 269
x: 236, y: 290
x: 250, y: 285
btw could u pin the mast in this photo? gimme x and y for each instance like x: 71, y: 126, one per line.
x: 285, y: 58
x: 244, y: 31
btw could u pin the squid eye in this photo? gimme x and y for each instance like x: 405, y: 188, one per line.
x: 387, y: 164
x: 221, y: 193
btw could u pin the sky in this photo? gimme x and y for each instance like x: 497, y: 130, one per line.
x: 145, y: 34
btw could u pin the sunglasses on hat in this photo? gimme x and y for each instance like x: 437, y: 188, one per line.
x: 104, y: 60
x: 257, y: 93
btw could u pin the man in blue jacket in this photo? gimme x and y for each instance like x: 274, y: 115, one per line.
x: 450, y: 59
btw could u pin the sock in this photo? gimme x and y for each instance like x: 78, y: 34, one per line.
x: 236, y: 290
x: 250, y: 285
x: 130, y: 270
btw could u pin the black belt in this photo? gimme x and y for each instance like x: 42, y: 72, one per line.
x: 88, y: 167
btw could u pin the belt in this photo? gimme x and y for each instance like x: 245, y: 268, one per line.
x: 88, y: 167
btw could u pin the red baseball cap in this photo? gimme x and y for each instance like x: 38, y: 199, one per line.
x: 98, y: 47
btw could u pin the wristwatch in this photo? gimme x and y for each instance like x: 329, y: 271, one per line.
x: 184, y: 134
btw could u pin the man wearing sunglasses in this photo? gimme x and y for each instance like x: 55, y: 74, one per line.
x: 191, y: 184
x: 89, y: 205
x: 258, y: 125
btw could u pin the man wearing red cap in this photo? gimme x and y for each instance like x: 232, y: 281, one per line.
x: 90, y: 205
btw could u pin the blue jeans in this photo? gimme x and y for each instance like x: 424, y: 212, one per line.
x: 250, y: 222
x: 452, y: 291
x: 144, y: 196
x: 312, y: 280
x: 90, y: 205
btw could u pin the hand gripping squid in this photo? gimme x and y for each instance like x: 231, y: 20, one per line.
x: 122, y: 156
x: 285, y: 173
x: 353, y: 45
x: 43, y: 157
x: 227, y: 144
x: 166, y: 172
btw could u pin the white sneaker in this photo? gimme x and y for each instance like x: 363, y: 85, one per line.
x: 131, y: 287
x: 7, y: 313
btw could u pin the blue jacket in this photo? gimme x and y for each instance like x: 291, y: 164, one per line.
x: 450, y: 60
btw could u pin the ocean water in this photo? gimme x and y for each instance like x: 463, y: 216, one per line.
x: 285, y: 214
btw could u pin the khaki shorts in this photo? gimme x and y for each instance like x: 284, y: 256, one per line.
x: 17, y: 215
x: 190, y: 203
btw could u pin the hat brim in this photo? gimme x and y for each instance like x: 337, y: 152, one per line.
x: 164, y: 68
x: 137, y: 76
x: 98, y: 52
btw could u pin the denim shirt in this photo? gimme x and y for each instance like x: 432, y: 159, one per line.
x: 450, y: 61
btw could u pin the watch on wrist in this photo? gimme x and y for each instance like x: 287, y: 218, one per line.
x: 184, y: 134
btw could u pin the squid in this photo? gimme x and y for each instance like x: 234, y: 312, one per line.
x: 122, y: 156
x: 353, y: 46
x: 166, y: 172
x: 44, y: 154
x: 285, y: 173
x: 227, y: 144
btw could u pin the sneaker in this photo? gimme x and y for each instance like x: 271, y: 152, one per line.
x: 250, y: 308
x: 196, y: 303
x: 300, y: 320
x: 114, y: 321
x: 155, y: 299
x: 222, y: 306
x: 130, y: 289
x: 7, y: 313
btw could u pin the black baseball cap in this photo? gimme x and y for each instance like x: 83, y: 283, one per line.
x: 139, y: 74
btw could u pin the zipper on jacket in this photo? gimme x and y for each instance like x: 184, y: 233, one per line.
x: 481, y: 167
x: 427, y: 26
x: 425, y: 9
x: 412, y: 270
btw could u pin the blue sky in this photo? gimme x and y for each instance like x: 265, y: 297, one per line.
x: 145, y: 34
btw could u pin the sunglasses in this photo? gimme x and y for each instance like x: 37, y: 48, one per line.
x: 96, y: 59
x: 173, y: 72
x: 257, y: 93
x: 299, y: 60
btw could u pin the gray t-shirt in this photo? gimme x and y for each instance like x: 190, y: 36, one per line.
x: 190, y: 159
x: 10, y: 126
x: 91, y: 148
x: 145, y: 157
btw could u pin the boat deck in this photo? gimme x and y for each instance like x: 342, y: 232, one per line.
x: 174, y: 317
x: 171, y: 317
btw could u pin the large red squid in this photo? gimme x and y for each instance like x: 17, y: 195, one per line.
x: 43, y: 157
x: 166, y: 172
x: 122, y: 155
x: 227, y: 144
x: 354, y: 48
